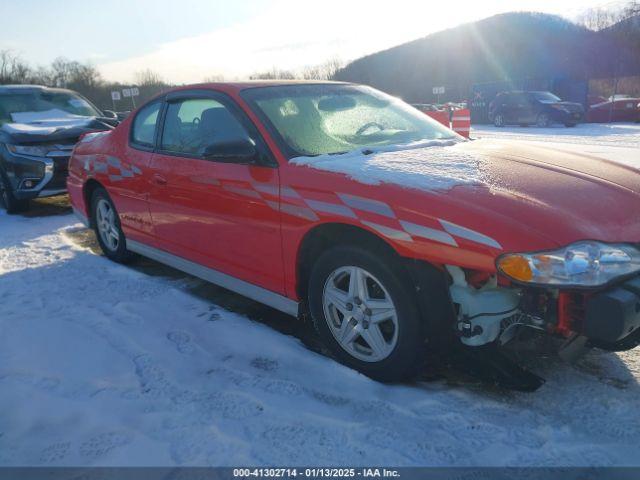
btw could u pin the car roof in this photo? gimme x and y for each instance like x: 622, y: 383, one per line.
x: 244, y: 85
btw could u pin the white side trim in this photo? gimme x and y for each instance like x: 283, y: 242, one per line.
x: 389, y: 232
x: 234, y: 284
x: 469, y: 234
x: 428, y: 233
x: 332, y: 208
x: 367, y: 205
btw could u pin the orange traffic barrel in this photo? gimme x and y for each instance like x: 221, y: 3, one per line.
x: 461, y: 122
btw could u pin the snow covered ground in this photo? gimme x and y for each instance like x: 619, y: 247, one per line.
x: 102, y: 364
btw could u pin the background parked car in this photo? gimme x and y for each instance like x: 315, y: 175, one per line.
x: 533, y: 108
x: 617, y: 108
x: 39, y: 127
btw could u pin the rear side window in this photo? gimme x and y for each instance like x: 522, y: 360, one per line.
x: 192, y: 125
x: 144, y: 125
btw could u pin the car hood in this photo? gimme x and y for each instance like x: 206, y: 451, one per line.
x: 559, y: 196
x: 50, y: 130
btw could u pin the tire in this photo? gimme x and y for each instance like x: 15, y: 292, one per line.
x: 400, y: 338
x: 569, y: 125
x: 543, y: 120
x: 106, y: 225
x: 10, y: 203
x: 498, y: 120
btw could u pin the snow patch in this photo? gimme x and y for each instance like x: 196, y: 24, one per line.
x: 44, y: 123
x: 434, y: 165
x: 101, y: 365
x: 51, y: 115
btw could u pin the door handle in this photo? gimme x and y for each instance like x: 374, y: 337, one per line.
x: 159, y: 179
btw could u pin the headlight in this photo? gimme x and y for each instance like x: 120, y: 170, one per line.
x: 35, y: 151
x: 582, y: 264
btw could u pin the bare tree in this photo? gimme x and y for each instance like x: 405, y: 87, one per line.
x: 148, y: 77
x: 216, y: 78
x: 274, y: 74
x: 323, y: 71
x: 601, y: 18
x: 12, y: 68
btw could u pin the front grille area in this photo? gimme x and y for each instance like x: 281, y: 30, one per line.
x: 60, y: 154
x: 61, y: 164
x: 58, y: 182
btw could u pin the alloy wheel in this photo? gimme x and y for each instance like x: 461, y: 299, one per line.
x: 543, y: 120
x: 360, y: 314
x: 106, y: 223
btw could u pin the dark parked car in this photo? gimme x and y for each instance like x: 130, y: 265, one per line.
x: 533, y: 108
x: 39, y: 127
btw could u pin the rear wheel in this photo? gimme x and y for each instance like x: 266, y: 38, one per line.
x: 365, y: 313
x: 498, y: 120
x: 107, y: 226
x: 9, y: 201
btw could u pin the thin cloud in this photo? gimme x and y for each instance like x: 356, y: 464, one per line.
x: 293, y: 34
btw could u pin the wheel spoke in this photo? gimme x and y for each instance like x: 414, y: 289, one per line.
x: 357, y: 284
x: 103, y: 211
x: 337, y: 298
x: 375, y: 340
x: 348, y: 331
x: 381, y: 310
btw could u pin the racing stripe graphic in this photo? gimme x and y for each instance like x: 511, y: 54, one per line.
x: 297, y: 203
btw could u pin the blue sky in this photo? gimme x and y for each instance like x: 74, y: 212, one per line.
x: 191, y: 40
x: 109, y: 30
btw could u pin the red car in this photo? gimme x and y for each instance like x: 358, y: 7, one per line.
x: 618, y: 108
x: 394, y: 234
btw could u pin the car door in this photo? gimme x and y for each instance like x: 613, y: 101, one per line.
x: 219, y: 212
x: 518, y: 107
x: 127, y: 167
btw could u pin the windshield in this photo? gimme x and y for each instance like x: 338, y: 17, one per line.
x: 545, y: 97
x: 39, y: 105
x: 330, y: 119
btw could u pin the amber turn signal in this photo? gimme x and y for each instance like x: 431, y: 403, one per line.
x: 516, y: 267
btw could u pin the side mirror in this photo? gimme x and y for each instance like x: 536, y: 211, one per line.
x: 242, y: 151
x: 110, y: 114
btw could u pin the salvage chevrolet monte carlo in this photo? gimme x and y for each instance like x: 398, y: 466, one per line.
x: 395, y: 235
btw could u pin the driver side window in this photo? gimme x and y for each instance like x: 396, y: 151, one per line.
x: 193, y: 124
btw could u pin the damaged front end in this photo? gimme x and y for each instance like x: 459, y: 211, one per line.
x: 491, y: 310
x: 36, y: 164
x: 39, y: 127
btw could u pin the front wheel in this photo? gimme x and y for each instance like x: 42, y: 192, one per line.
x: 9, y: 201
x: 107, y: 226
x: 543, y: 120
x: 498, y: 120
x: 365, y: 313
